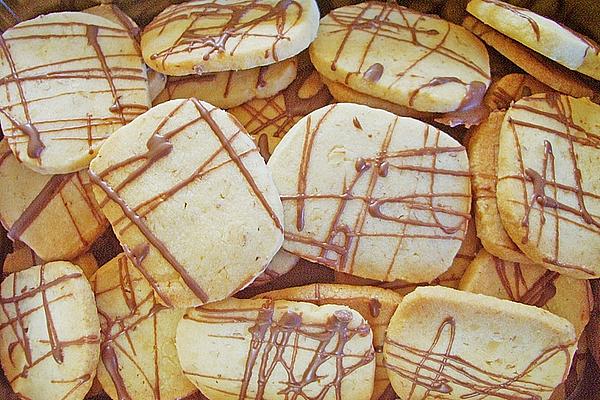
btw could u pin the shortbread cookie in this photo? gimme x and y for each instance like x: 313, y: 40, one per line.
x: 541, y: 34
x: 255, y: 349
x: 446, y: 344
x: 23, y: 257
x: 114, y: 14
x: 139, y: 358
x: 548, y: 189
x: 530, y: 284
x: 282, y: 263
x: 557, y: 77
x: 191, y: 200
x: 510, y: 88
x: 268, y: 120
x: 202, y: 36
x: 231, y: 88
x: 56, y: 216
x: 49, y: 332
x: 469, y: 248
x: 376, y: 305
x: 369, y: 193
x: 70, y: 80
x: 402, y: 56
x: 483, y: 159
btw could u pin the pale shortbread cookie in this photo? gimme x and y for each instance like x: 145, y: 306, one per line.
x: 557, y: 77
x: 548, y: 189
x: 191, y: 200
x: 22, y: 257
x: 530, y: 284
x: 231, y: 88
x: 512, y: 87
x: 282, y: 263
x: 483, y: 159
x: 369, y: 193
x: 139, y: 358
x: 376, y: 305
x: 446, y: 344
x: 49, y: 332
x: 56, y: 216
x: 541, y: 34
x: 451, y: 278
x: 268, y: 120
x: 221, y: 35
x: 402, y: 56
x: 264, y: 349
x: 69, y: 81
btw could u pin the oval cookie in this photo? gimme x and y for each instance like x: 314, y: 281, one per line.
x: 138, y: 354
x: 49, y: 332
x: 221, y: 35
x: 369, y: 193
x: 69, y: 81
x: 548, y: 189
x: 264, y: 349
x: 191, y: 200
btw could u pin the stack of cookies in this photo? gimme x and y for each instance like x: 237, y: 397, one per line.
x: 296, y: 207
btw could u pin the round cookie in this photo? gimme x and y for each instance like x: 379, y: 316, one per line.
x: 282, y: 263
x: 483, y: 159
x: 191, y: 200
x: 540, y: 34
x: 512, y: 87
x: 49, y: 332
x: 70, y: 80
x: 376, y: 305
x: 32, y: 206
x: 228, y: 35
x: 557, y: 77
x: 268, y: 120
x: 402, y: 56
x: 548, y: 191
x: 369, y: 193
x: 231, y: 88
x: 138, y: 353
x: 530, y: 284
x: 446, y: 344
x: 264, y: 349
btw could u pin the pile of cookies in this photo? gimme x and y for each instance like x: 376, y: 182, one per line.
x: 244, y: 201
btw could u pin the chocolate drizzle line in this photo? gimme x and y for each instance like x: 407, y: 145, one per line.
x: 159, y: 146
x: 226, y: 35
x: 437, y: 370
x: 275, y: 341
x: 546, y: 180
x: 342, y: 240
x: 538, y: 294
x: 116, y: 329
x: 17, y: 322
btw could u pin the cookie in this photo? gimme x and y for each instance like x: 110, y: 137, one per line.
x: 138, y: 354
x: 203, y: 36
x: 530, y: 284
x: 548, y: 191
x: 114, y: 14
x: 512, y: 87
x: 469, y: 248
x: 49, y: 332
x: 541, y: 34
x: 191, y: 200
x: 557, y: 77
x: 23, y: 257
x: 475, y: 346
x: 376, y: 305
x: 255, y: 349
x: 483, y: 159
x: 70, y: 80
x: 282, y: 263
x: 33, y: 206
x: 402, y: 56
x: 268, y: 120
x: 369, y: 193
x: 231, y: 88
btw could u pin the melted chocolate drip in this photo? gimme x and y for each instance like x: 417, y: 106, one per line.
x: 374, y: 72
x: 538, y: 294
x: 374, y: 307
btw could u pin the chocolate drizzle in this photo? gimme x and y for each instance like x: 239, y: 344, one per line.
x: 374, y: 72
x: 471, y: 110
x: 538, y: 294
x: 374, y: 307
